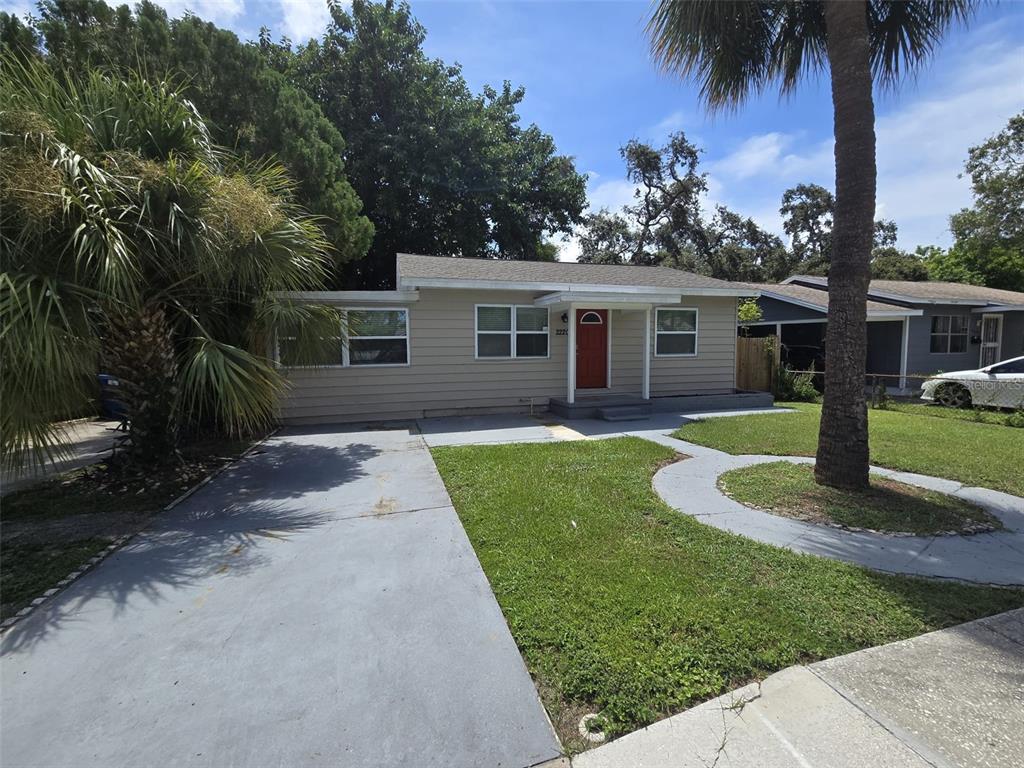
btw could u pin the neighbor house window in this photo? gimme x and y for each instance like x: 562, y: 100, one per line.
x: 949, y: 334
x: 374, y: 337
x: 508, y: 330
x: 675, y: 332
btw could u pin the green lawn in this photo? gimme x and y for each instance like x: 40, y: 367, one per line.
x: 975, y: 453
x: 788, y: 489
x: 622, y: 606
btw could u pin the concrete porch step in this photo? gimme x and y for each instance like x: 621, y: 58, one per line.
x: 624, y: 412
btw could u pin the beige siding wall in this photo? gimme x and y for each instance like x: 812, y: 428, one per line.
x: 713, y: 370
x: 444, y: 376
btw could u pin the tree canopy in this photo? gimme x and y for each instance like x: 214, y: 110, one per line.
x: 988, y: 248
x: 666, y: 224
x: 389, y: 146
x: 126, y: 232
x: 250, y: 107
x: 439, y: 169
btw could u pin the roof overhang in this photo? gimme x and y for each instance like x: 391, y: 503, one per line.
x: 791, y: 300
x: 996, y: 308
x: 822, y: 283
x: 876, y: 314
x: 405, y: 283
x: 349, y: 297
x: 894, y: 314
x: 604, y: 300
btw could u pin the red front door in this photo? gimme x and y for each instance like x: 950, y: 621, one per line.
x: 591, y: 348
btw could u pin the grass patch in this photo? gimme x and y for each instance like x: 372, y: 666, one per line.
x: 974, y: 453
x: 51, y: 529
x: 982, y: 415
x: 789, y: 490
x: 622, y: 606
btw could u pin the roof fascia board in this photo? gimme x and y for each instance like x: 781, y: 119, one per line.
x: 791, y: 300
x: 612, y: 300
x: 999, y: 308
x: 340, y: 297
x: 523, y: 285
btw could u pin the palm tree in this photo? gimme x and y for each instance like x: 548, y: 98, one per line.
x: 126, y: 235
x: 736, y: 48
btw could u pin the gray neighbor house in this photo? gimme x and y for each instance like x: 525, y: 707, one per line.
x: 467, y: 336
x: 915, y: 329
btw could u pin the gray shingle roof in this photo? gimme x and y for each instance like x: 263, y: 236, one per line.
x: 818, y: 297
x: 932, y: 290
x: 553, y: 272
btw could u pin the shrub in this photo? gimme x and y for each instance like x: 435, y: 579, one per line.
x: 796, y: 387
x: 1015, y: 418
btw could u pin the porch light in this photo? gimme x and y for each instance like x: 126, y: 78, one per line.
x: 565, y: 318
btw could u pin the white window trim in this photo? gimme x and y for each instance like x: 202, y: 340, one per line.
x: 512, y: 346
x: 949, y: 334
x: 695, y: 332
x: 344, y: 339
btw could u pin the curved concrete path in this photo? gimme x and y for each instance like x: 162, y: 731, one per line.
x: 990, y: 558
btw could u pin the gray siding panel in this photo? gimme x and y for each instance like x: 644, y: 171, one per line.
x: 1013, y: 335
x: 920, y: 359
x: 444, y: 377
x: 885, y: 343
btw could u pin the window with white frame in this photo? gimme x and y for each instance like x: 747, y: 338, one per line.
x: 374, y: 337
x: 949, y: 334
x: 510, y: 330
x: 675, y: 332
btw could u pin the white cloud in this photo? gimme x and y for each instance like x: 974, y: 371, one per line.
x: 220, y: 12
x: 611, y: 194
x: 674, y: 122
x: 19, y: 8
x: 568, y: 248
x: 304, y: 19
x: 922, y: 145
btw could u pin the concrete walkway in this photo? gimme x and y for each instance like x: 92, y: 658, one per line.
x: 91, y: 441
x: 691, y: 487
x: 317, y: 604
x: 900, y: 705
x: 989, y: 558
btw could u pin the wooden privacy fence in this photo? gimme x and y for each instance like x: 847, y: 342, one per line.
x: 757, y: 360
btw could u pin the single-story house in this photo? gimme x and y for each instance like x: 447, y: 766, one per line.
x: 464, y: 336
x: 915, y: 329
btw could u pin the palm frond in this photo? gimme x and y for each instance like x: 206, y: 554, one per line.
x: 237, y: 389
x: 736, y: 48
x: 904, y: 34
x: 48, y: 345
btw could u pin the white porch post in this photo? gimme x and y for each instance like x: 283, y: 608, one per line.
x: 647, y: 355
x: 904, y: 345
x: 571, y: 355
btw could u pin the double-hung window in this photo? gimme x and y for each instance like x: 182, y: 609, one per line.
x: 675, y: 332
x: 378, y: 337
x: 365, y: 337
x: 949, y: 334
x: 510, y: 331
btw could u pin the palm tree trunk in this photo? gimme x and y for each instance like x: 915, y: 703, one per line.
x: 842, y: 460
x: 139, y: 350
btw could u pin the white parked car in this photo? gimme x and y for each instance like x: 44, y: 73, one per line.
x: 1000, y: 385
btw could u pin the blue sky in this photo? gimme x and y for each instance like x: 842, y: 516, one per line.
x: 590, y: 83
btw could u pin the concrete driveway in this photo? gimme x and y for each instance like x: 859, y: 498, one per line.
x: 317, y: 604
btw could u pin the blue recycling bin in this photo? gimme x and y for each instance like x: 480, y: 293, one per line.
x: 111, y: 405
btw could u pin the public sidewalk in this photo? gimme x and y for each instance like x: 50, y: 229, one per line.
x: 952, y: 698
